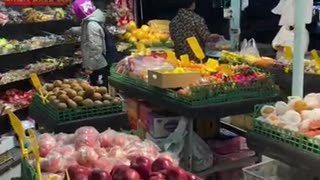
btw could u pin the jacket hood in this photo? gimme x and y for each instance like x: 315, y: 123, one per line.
x: 97, y: 15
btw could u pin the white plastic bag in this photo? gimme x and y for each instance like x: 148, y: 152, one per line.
x: 249, y: 48
x: 176, y: 142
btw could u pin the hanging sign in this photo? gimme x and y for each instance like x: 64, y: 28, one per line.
x: 37, y: 2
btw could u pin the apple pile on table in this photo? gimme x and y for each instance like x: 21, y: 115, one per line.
x: 88, y: 154
x: 140, y: 168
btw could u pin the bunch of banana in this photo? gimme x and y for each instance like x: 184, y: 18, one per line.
x: 230, y: 56
x: 250, y: 59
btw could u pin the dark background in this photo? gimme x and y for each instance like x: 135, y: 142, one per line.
x: 257, y: 21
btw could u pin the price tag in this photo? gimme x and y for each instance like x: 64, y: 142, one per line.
x: 316, y: 58
x: 289, y: 56
x: 67, y: 174
x: 185, y: 61
x: 212, y: 65
x: 37, y: 85
x: 35, y: 149
x: 19, y: 130
x: 196, y: 48
x: 171, y: 57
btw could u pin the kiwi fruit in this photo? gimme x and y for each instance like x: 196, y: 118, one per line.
x: 78, y: 100
x: 98, y: 102
x: 106, y: 102
x: 51, y: 98
x: 81, y: 93
x: 61, y: 93
x: 71, y: 81
x: 49, y: 87
x: 55, y: 102
x: 87, y: 102
x: 65, y: 86
x: 89, y: 92
x: 71, y: 103
x: 107, y: 97
x: 72, y: 93
x: 66, y: 81
x: 63, y: 98
x: 97, y: 96
x: 55, y: 90
x: 57, y: 83
x: 102, y: 90
x: 62, y: 106
x: 77, y: 88
x: 84, y: 85
x: 44, y: 92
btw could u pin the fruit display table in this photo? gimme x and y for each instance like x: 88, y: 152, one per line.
x: 190, y: 113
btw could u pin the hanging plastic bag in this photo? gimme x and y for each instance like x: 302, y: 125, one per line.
x: 287, y: 12
x: 244, y: 46
x: 279, y: 8
x: 244, y: 4
x: 175, y: 143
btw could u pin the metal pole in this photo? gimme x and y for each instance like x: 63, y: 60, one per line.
x: 234, y: 29
x: 298, y: 57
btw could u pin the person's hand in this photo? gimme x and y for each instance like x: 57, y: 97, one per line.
x: 88, y: 71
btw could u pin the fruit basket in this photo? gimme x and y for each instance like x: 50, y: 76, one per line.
x: 206, y: 94
x: 73, y: 99
x: 71, y: 114
x: 286, y: 136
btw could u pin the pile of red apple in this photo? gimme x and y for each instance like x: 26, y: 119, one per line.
x: 141, y: 168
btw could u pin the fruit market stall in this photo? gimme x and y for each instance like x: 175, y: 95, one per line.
x: 195, y: 91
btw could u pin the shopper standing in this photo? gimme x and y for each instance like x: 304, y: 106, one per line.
x: 187, y: 24
x: 93, y: 43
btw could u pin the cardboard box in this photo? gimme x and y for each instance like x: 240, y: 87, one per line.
x: 161, y: 127
x: 173, y: 80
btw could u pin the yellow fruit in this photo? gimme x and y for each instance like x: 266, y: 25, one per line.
x: 140, y: 34
x: 127, y: 35
x: 133, y: 40
x: 146, y: 42
x: 145, y: 28
x: 155, y: 41
x: 131, y: 26
x: 164, y: 37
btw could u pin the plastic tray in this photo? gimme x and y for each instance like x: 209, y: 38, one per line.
x: 202, y: 96
x: 289, y: 137
x: 273, y: 170
x: 71, y: 114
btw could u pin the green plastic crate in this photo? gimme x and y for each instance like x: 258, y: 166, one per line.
x: 286, y: 136
x: 216, y: 94
x: 71, y: 114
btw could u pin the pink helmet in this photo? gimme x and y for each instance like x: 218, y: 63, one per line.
x: 82, y: 8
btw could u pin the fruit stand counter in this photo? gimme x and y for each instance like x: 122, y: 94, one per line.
x: 190, y: 112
